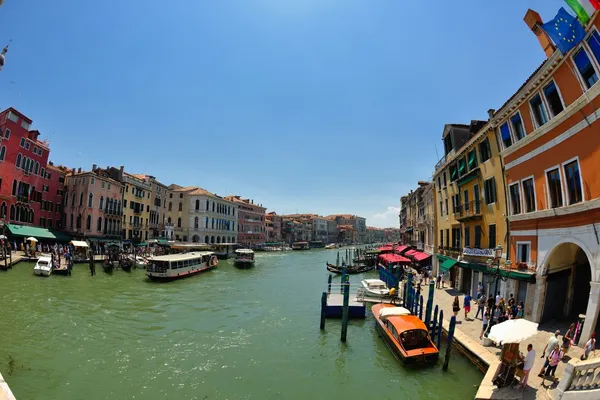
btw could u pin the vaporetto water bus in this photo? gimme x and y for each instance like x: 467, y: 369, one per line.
x: 175, y: 266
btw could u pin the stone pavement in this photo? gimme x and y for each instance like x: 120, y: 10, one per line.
x: 472, y: 328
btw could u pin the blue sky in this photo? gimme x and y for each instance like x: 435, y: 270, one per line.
x: 325, y: 106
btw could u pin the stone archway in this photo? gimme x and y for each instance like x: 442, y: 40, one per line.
x: 569, y: 285
x: 195, y: 238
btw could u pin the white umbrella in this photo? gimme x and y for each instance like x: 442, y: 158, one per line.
x: 31, y: 239
x: 2, y: 237
x: 513, y: 331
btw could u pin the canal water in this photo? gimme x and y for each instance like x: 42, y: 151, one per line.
x: 225, y: 334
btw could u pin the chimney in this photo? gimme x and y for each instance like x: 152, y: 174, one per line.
x: 491, y: 112
x: 122, y: 168
x: 50, y: 163
x: 534, y: 22
x: 94, y: 167
x: 79, y: 170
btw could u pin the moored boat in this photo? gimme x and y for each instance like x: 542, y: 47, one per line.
x: 244, y: 258
x: 404, y: 334
x: 43, y: 266
x: 331, y: 246
x: 138, y: 261
x: 355, y: 269
x: 175, y: 266
x: 374, y: 288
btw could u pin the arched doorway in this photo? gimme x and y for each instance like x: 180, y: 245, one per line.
x: 568, y: 274
x: 212, y: 239
x: 206, y: 239
x: 218, y: 239
x: 195, y: 238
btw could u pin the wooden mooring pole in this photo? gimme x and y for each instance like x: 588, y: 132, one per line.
x: 421, y: 307
x: 449, y: 344
x: 440, y: 327
x: 429, y: 304
x: 408, y: 294
x: 345, y: 311
x: 323, y: 307
x: 329, y: 278
x: 434, y: 325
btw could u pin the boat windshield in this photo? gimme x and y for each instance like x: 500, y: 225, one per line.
x: 377, y: 286
x: 43, y: 263
x: 414, y: 339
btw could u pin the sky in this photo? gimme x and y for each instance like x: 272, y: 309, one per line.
x: 305, y: 106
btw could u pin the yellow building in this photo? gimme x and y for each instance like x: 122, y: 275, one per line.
x: 471, y: 204
x: 178, y: 211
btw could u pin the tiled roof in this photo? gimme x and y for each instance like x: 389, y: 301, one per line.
x: 185, y: 189
x: 522, y: 86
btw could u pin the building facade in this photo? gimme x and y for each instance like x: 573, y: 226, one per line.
x: 51, y: 210
x: 212, y: 219
x: 416, y: 216
x: 351, y: 228
x: 548, y: 132
x: 251, y: 223
x: 178, y: 211
x: 158, y: 208
x: 92, y: 204
x: 273, y: 226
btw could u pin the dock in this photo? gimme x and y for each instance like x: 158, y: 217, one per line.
x: 334, y: 306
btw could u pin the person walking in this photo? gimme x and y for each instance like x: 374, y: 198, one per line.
x: 520, y: 310
x: 552, y: 341
x: 553, y: 359
x: 467, y: 305
x: 527, y: 365
x: 498, y: 299
x: 589, y: 347
x: 438, y: 281
x: 455, y: 306
x: 568, y: 338
x: 480, y: 305
x: 484, y: 322
x: 443, y: 279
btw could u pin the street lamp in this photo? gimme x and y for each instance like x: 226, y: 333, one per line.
x: 497, y: 277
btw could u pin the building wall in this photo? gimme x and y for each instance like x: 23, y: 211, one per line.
x: 212, y: 219
x: 273, y: 227
x: 178, y: 212
x: 158, y: 208
x: 51, y: 210
x: 251, y: 222
x: 137, y: 195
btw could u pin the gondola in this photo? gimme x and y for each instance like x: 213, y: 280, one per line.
x: 108, y: 266
x: 126, y: 264
x: 355, y: 269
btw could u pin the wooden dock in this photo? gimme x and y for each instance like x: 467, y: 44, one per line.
x: 335, y: 302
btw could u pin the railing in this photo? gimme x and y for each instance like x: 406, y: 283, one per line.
x: 468, y: 210
x: 443, y: 159
x: 579, y: 376
x: 112, y: 211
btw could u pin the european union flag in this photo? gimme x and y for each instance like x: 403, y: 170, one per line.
x: 565, y: 31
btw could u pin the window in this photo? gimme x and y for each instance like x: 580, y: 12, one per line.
x: 467, y: 236
x: 22, y: 142
x: 505, y: 135
x: 170, y: 206
x: 2, y: 153
x: 179, y: 222
x: 492, y: 236
x: 540, y: 116
x: 101, y: 202
x: 523, y: 250
x: 472, y: 159
x: 554, y: 188
x: 517, y: 126
x: 447, y: 211
x: 477, y: 237
x: 18, y: 164
x: 529, y: 195
x: 7, y: 133
x: 197, y: 205
x: 441, y: 208
x: 25, y: 125
x: 99, y: 225
x: 37, y: 168
x: 466, y: 199
x: 462, y: 166
x: 573, y: 182
x: 27, y: 145
x: 490, y: 191
x: 584, y: 66
x: 125, y: 203
x: 81, y: 199
x: 593, y: 41
x: 90, y: 200
x: 515, y: 199
x: 439, y: 185
x: 93, y: 181
x: 553, y: 99
x: 444, y: 176
x: 447, y: 237
x: 103, y: 184
x: 456, y: 238
x: 180, y: 206
x: 13, y: 117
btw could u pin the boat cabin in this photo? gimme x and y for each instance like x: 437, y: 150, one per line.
x: 300, y: 246
x: 375, y: 284
x: 244, y: 254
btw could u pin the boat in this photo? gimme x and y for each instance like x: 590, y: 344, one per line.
x: 244, y: 258
x: 300, y: 246
x: 374, y: 288
x: 223, y: 251
x: 174, y: 266
x: 80, y: 251
x: 331, y: 246
x: 138, y: 261
x: 109, y: 265
x: 126, y: 264
x: 316, y: 244
x: 405, y: 335
x: 43, y: 266
x: 355, y: 269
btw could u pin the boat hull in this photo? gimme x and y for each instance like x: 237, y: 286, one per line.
x: 42, y: 272
x: 350, y: 270
x: 244, y: 264
x: 158, y: 277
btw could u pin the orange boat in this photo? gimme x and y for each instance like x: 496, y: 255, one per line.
x: 405, y: 335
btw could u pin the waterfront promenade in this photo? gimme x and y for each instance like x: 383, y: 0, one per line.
x: 467, y: 332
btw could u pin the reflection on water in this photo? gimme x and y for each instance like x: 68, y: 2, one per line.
x: 228, y: 333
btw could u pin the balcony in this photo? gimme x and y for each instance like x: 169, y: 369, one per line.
x: 468, y: 211
x: 111, y: 211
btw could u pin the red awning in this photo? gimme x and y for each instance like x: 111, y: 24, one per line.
x: 393, y: 258
x: 400, y: 249
x: 410, y: 252
x: 419, y: 256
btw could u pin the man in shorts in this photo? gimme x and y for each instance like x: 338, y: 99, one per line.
x: 467, y: 305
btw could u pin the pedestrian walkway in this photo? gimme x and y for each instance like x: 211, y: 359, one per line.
x: 472, y: 329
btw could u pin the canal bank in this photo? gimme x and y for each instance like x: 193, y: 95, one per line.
x: 228, y: 333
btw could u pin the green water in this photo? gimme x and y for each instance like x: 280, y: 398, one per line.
x: 224, y: 334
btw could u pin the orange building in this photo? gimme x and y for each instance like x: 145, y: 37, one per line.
x: 550, y: 139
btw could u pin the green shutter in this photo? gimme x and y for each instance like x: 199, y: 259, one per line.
x: 461, y: 166
x: 472, y: 159
x: 453, y: 174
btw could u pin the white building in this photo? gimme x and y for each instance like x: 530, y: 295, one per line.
x: 212, y: 219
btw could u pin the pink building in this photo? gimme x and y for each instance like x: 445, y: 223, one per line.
x: 92, y: 206
x: 251, y: 222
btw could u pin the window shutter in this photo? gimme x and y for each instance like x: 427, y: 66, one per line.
x: 494, y: 189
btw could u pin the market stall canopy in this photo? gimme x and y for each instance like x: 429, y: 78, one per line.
x: 418, y: 255
x: 79, y: 243
x: 513, y: 331
x: 394, y: 258
x: 39, y: 233
x: 449, y: 263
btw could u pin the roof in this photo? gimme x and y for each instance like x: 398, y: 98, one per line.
x: 139, y: 176
x: 373, y: 281
x: 244, y: 251
x: 17, y: 112
x: 406, y: 323
x: 79, y: 243
x: 393, y: 312
x: 523, y: 85
x: 182, y: 256
x: 393, y: 258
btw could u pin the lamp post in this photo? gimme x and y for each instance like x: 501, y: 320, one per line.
x: 497, y: 277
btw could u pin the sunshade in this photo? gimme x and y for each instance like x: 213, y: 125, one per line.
x: 513, y: 331
x: 31, y: 239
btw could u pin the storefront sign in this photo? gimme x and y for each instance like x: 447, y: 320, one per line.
x: 479, y: 252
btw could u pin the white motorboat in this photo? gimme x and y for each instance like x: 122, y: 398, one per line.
x: 244, y: 258
x: 331, y: 246
x: 374, y: 288
x: 43, y: 266
x: 138, y: 261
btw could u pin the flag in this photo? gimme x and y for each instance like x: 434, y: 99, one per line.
x: 565, y: 31
x: 584, y: 8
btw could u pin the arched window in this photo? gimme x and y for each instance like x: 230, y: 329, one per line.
x: 197, y: 204
x: 12, y: 212
x: 207, y: 205
x: 180, y: 206
x: 26, y: 164
x: 206, y: 240
x: 90, y: 200
x: 213, y: 207
x: 79, y: 221
x: 212, y: 223
x: 2, y: 153
x: 73, y: 199
x: 218, y: 239
x: 3, y: 211
x: 99, y: 227
x: 170, y: 206
x: 71, y: 221
x: 66, y: 198
x: 31, y: 216
x: 119, y: 206
x: 19, y: 157
x: 14, y: 189
x: 88, y: 223
x: 169, y: 221
x: 37, y: 168
x: 179, y: 222
x: 81, y: 199
x: 101, y: 202
x: 212, y: 239
x: 196, y: 222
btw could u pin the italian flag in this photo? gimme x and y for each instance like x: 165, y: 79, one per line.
x: 584, y: 8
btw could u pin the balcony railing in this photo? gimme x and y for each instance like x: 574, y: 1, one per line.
x: 112, y: 211
x: 470, y: 210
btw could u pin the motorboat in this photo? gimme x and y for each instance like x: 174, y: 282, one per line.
x: 405, y: 335
x: 138, y: 261
x: 374, y: 288
x: 244, y: 258
x: 43, y: 266
x: 331, y: 246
